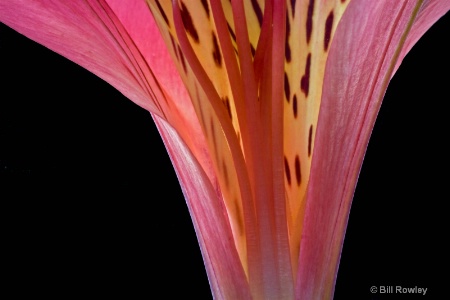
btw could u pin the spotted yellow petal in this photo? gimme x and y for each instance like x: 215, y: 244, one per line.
x: 310, y: 26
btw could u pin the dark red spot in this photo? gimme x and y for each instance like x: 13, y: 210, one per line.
x: 343, y: 1
x: 293, y: 7
x: 287, y: 48
x: 253, y: 50
x: 294, y: 105
x: 309, y: 20
x: 202, y: 116
x: 163, y: 14
x: 206, y: 7
x: 287, y: 170
x: 310, y: 140
x: 183, y: 62
x: 287, y: 88
x: 304, y: 83
x: 298, y: 174
x: 216, y: 52
x: 287, y: 51
x: 258, y: 11
x: 188, y: 24
x: 226, y: 101
x: 328, y: 27
x: 233, y: 35
x: 174, y: 46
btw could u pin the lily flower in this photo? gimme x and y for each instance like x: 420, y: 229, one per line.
x: 265, y: 108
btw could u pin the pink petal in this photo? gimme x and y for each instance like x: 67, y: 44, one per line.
x: 429, y: 13
x: 361, y: 62
x: 119, y: 42
x: 77, y: 31
x: 123, y: 47
x: 225, y: 272
x: 137, y: 20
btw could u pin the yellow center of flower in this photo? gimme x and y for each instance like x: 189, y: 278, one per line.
x: 308, y: 33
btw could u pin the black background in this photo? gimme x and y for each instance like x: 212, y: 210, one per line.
x: 90, y: 203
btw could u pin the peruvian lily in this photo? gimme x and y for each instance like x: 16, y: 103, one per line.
x: 265, y: 108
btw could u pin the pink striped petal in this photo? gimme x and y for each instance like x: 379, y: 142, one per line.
x: 225, y: 272
x: 136, y: 18
x: 429, y: 13
x: 81, y: 31
x: 360, y: 64
x: 119, y: 42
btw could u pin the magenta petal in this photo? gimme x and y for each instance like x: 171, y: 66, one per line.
x: 77, y: 31
x: 136, y: 18
x: 119, y: 42
x: 361, y: 62
x: 90, y: 34
x: 430, y: 11
x: 226, y: 275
